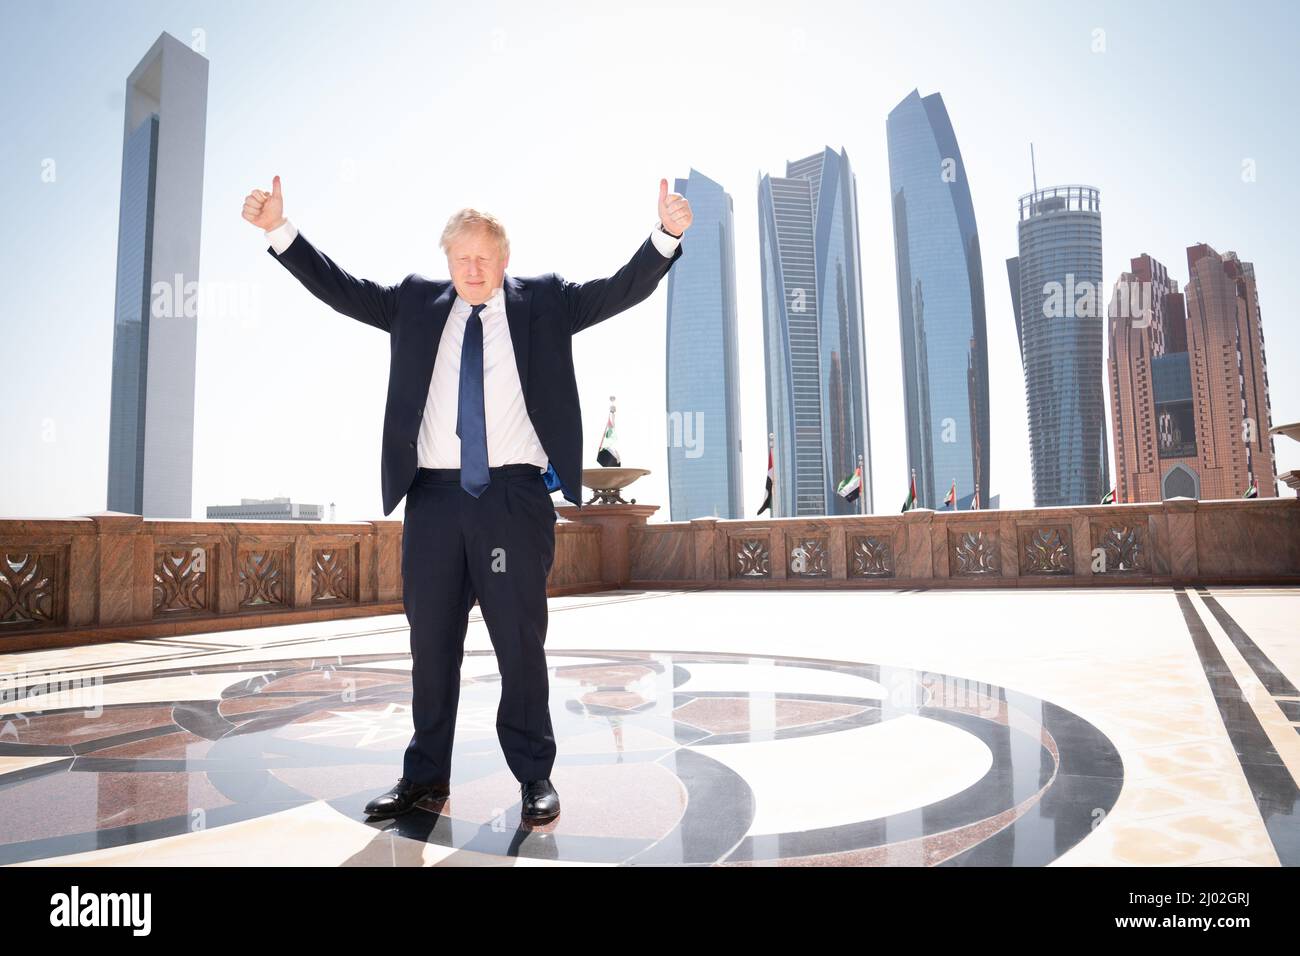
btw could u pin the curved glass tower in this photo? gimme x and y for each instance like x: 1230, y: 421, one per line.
x: 812, y: 333
x: 1057, y: 295
x: 702, y: 385
x: 940, y: 306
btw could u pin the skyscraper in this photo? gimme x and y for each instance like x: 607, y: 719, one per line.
x: 702, y: 377
x: 1225, y: 337
x: 1189, y: 382
x: 812, y: 333
x: 1058, y: 297
x: 151, y: 422
x: 940, y: 305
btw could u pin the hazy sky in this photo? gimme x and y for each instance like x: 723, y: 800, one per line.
x: 381, y: 119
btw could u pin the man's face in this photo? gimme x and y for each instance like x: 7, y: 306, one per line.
x: 476, y: 264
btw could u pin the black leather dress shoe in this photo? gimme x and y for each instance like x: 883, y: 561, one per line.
x: 404, y: 795
x: 540, y: 801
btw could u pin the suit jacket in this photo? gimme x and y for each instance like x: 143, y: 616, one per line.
x: 543, y: 313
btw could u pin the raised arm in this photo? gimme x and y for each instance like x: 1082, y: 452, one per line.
x: 599, y: 299
x: 360, y: 299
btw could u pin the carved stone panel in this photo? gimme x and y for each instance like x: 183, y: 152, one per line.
x: 333, y: 575
x: 974, y: 553
x: 1123, y: 548
x: 750, y: 557
x: 181, y: 578
x: 1047, y: 551
x: 30, y: 589
x: 264, y: 577
x: 870, y: 556
x: 809, y: 556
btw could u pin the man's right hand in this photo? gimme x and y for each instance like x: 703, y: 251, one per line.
x: 265, y: 210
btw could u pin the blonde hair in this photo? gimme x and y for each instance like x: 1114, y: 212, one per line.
x: 467, y: 218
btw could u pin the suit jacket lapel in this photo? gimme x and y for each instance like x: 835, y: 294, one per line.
x: 441, y: 311
x: 426, y: 345
x: 519, y: 316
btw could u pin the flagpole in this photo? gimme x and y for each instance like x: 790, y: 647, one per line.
x: 771, y: 450
x: 862, y: 480
x: 610, y: 453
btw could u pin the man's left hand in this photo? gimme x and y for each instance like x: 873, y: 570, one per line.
x: 674, y: 210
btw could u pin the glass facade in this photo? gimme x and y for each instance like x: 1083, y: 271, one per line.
x: 1171, y: 378
x: 1056, y: 291
x: 702, y: 386
x: 812, y: 333
x: 131, y: 320
x: 940, y: 306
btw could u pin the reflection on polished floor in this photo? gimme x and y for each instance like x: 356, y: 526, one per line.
x: 914, y: 728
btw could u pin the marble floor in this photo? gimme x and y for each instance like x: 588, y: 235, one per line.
x: 894, y: 728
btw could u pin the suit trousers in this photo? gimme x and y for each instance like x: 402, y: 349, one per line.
x: 496, y: 549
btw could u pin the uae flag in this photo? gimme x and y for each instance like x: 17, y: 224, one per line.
x: 771, y: 475
x: 1253, y: 490
x: 951, y: 500
x: 607, y: 455
x: 1109, y: 497
x: 975, y: 501
x: 910, y: 502
x: 851, y: 486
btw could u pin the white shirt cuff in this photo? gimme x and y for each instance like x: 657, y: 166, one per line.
x: 665, y: 243
x: 283, y: 235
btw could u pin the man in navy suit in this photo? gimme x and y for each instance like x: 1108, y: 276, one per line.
x: 482, y: 423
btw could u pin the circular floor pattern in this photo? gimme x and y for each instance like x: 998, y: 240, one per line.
x: 664, y: 758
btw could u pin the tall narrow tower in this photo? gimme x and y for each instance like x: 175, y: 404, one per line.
x: 702, y: 376
x: 940, y: 305
x: 812, y: 333
x: 1057, y: 294
x: 151, y: 438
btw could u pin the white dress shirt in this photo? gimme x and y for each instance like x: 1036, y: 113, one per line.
x: 511, y: 438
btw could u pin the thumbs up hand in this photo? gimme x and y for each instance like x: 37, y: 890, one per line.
x: 265, y: 210
x: 674, y: 210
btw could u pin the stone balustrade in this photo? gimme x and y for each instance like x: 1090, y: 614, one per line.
x: 112, y: 576
x: 1178, y: 541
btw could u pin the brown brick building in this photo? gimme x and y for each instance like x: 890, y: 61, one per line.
x: 1189, y: 381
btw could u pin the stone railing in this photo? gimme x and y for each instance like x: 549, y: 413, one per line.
x: 113, y: 576
x: 1179, y: 541
x: 118, y: 577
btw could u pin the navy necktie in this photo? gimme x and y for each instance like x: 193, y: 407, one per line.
x: 471, y: 423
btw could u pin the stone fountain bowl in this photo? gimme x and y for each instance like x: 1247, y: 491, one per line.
x: 607, y: 482
x: 611, y: 478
